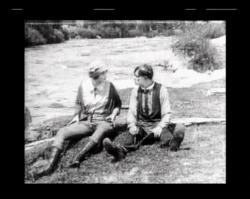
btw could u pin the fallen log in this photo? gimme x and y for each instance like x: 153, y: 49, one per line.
x: 34, y: 149
x: 216, y: 91
x: 198, y: 120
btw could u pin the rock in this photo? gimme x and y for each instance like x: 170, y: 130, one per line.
x: 56, y: 105
x: 27, y: 116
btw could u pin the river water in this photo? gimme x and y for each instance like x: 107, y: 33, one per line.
x: 53, y: 72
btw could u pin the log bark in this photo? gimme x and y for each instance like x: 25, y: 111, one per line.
x: 197, y: 120
x: 216, y: 91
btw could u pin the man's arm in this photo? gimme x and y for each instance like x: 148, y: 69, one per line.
x: 131, y: 116
x: 165, y: 112
x: 118, y: 102
x: 165, y: 107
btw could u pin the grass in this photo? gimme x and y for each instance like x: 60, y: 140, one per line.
x: 194, y: 43
x: 192, y: 102
x: 201, y: 158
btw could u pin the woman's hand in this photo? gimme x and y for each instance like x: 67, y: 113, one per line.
x: 133, y: 130
x: 75, y: 119
x: 111, y: 118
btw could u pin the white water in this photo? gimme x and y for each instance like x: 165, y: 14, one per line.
x: 53, y: 72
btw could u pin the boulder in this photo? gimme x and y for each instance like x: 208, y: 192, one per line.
x: 27, y: 117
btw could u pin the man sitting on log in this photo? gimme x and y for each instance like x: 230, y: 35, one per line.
x: 148, y: 117
x: 97, y: 105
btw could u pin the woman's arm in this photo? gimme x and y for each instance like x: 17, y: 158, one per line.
x: 165, y: 107
x: 78, y: 103
x: 117, y: 104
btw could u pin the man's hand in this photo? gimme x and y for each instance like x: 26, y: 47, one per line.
x: 133, y: 130
x: 157, y: 131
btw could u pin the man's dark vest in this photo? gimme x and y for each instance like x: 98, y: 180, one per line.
x: 156, y: 105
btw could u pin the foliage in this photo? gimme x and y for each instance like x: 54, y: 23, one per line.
x: 44, y: 33
x: 213, y: 30
x: 194, y: 43
x: 33, y: 37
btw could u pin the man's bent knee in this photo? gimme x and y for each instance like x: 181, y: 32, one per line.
x: 178, y: 136
x: 165, y: 137
x: 179, y: 130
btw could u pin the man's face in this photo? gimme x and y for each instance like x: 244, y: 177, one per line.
x: 139, y: 80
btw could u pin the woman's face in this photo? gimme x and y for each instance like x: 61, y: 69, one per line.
x: 98, y: 80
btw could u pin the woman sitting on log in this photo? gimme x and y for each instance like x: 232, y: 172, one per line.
x: 97, y: 105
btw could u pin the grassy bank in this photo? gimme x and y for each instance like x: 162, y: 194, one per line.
x: 185, y: 102
x: 200, y: 160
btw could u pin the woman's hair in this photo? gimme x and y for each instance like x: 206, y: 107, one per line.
x: 145, y: 70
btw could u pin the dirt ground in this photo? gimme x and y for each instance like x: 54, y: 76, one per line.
x: 201, y: 158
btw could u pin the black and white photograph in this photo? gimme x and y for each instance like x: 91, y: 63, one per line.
x: 125, y: 101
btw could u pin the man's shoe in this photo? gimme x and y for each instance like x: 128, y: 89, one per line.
x: 174, y: 144
x: 116, y: 151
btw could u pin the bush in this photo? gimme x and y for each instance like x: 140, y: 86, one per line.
x: 152, y: 33
x: 65, y: 33
x: 194, y: 45
x: 109, y: 32
x: 213, y: 30
x: 208, y: 30
x: 36, y: 34
x: 134, y: 33
x: 53, y: 36
x: 204, y: 59
x: 46, y: 30
x: 58, y: 36
x: 72, y: 32
x: 33, y: 37
x: 87, y: 33
x: 167, y: 33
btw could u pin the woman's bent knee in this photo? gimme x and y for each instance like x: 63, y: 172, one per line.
x: 61, y: 133
x: 59, y: 138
